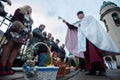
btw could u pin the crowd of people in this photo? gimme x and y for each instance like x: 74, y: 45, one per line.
x: 39, y: 35
x: 86, y: 31
x: 18, y: 34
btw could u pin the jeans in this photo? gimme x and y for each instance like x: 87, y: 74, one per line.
x: 109, y: 64
x: 42, y: 59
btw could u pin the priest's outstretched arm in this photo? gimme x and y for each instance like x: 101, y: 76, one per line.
x: 70, y: 26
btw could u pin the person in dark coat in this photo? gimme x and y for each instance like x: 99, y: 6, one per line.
x: 37, y: 34
x: 55, y: 46
x: 62, y: 52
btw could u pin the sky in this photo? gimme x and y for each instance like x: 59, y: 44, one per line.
x: 47, y: 11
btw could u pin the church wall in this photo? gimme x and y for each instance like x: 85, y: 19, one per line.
x: 113, y: 30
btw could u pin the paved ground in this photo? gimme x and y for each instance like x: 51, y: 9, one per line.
x: 74, y: 75
x: 114, y: 74
x: 80, y: 75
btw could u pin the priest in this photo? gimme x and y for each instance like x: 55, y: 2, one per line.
x: 87, y: 39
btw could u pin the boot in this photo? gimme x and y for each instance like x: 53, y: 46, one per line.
x: 8, y: 68
x: 2, y: 70
x: 91, y: 73
x: 102, y: 73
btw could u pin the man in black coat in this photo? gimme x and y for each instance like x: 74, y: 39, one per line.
x: 62, y: 52
x: 37, y: 34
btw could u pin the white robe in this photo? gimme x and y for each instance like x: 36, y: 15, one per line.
x: 93, y: 31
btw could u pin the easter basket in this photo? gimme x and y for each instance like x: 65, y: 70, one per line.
x: 42, y: 73
x: 33, y: 72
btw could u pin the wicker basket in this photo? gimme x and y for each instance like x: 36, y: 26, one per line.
x: 47, y: 73
x: 62, y: 68
x: 44, y: 73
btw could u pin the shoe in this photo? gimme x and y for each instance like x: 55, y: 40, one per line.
x: 91, y: 73
x: 8, y: 69
x: 102, y: 73
x: 2, y: 70
x: 10, y: 72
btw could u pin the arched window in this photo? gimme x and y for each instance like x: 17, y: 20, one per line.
x: 116, y: 19
x: 106, y: 25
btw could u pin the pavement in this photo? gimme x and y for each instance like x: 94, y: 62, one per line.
x: 73, y: 75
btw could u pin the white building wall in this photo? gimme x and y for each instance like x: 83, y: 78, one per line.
x: 114, y: 31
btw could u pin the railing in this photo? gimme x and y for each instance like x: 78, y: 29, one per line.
x: 3, y: 38
x: 6, y: 18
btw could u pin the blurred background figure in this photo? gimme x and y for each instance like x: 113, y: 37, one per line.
x: 109, y: 62
x: 81, y: 64
x: 62, y: 52
x: 37, y: 34
x: 3, y: 13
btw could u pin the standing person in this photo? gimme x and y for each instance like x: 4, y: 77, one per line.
x: 49, y: 40
x: 92, y: 40
x: 37, y: 37
x: 109, y: 62
x: 45, y: 36
x: 18, y: 34
x: 55, y: 47
x: 72, y: 60
x: 49, y: 36
x: 62, y: 52
x: 81, y: 64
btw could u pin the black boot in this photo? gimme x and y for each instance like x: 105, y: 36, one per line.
x: 102, y: 73
x: 91, y: 73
